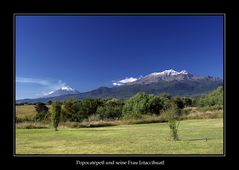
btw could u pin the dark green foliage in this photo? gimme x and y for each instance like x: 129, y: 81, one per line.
x: 195, y: 101
x: 187, y: 101
x: 137, y: 104
x: 41, y: 107
x: 166, y: 100
x: 42, y: 112
x: 49, y: 102
x: 179, y: 102
x: 111, y: 110
x: 87, y: 107
x: 155, y: 104
x: 69, y: 109
x: 74, y: 110
x: 213, y: 98
x: 142, y: 103
x: 55, y: 114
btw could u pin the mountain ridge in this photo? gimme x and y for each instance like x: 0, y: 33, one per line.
x: 169, y: 81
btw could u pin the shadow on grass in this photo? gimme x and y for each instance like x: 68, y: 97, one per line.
x: 87, y: 129
x: 198, y: 139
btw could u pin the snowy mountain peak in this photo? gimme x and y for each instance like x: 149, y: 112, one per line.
x: 183, y: 72
x: 51, y: 92
x: 169, y: 72
x: 67, y: 88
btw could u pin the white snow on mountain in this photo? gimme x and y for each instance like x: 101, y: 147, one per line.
x: 67, y: 88
x: 166, y: 73
x: 64, y: 90
x: 169, y: 72
x: 183, y: 72
x: 51, y: 92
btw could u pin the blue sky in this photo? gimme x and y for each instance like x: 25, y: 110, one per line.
x: 87, y: 52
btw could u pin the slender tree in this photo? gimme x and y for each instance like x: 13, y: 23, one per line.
x: 55, y: 114
x: 173, y: 123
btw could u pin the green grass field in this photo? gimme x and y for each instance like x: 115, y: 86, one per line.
x: 125, y: 139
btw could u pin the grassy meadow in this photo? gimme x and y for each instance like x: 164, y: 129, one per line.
x: 197, y: 136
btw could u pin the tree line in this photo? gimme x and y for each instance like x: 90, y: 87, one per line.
x: 112, y: 109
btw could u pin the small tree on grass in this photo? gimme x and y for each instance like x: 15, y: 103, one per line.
x: 173, y: 122
x: 55, y: 114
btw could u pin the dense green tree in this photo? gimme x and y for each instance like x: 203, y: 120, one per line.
x: 42, y: 112
x: 155, y: 104
x: 137, y: 104
x: 49, y: 102
x: 179, y: 102
x: 213, y: 98
x: 187, y: 101
x: 166, y: 100
x: 55, y: 114
x: 112, y: 109
x: 69, y: 109
x: 173, y: 123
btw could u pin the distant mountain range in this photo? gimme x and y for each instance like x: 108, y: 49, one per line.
x: 169, y: 81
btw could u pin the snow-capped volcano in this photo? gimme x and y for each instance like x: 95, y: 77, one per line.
x: 169, y: 72
x: 65, y: 90
x: 166, y: 75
